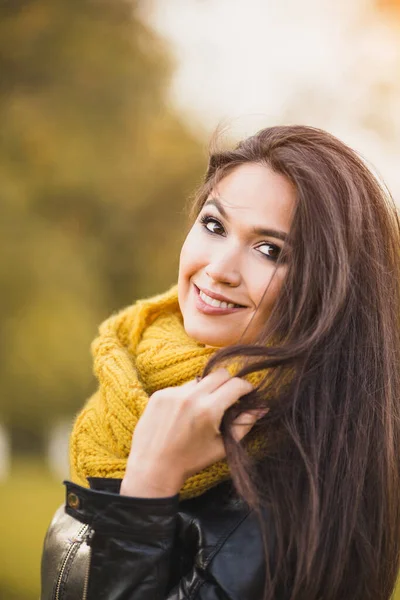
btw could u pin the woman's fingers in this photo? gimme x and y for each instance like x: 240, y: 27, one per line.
x: 244, y: 422
x: 229, y: 393
x: 208, y: 399
x: 225, y: 396
x: 213, y: 381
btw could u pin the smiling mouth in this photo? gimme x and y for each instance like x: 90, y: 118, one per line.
x: 214, y: 303
x: 217, y: 303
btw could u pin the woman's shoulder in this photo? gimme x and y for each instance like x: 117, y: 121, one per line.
x: 65, y: 557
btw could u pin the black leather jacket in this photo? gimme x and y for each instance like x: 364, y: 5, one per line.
x: 206, y: 548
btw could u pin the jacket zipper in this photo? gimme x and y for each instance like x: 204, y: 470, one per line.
x: 86, y: 580
x: 79, y: 538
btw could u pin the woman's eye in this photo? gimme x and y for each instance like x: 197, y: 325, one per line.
x: 270, y: 251
x: 212, y: 225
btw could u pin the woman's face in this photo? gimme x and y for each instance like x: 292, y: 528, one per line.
x: 228, y: 259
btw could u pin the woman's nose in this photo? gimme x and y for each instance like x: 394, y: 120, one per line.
x: 224, y: 270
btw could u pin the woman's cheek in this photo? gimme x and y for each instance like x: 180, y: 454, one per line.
x: 268, y: 293
x: 193, y: 254
x: 276, y: 284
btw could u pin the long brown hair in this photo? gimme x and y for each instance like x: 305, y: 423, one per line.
x: 331, y: 477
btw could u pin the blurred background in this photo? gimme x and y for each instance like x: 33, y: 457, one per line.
x: 106, y: 109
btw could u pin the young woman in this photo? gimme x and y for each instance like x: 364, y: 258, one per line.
x: 244, y: 442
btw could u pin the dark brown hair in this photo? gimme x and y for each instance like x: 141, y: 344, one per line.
x: 330, y: 478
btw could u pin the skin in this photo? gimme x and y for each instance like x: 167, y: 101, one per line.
x: 231, y: 259
x: 178, y: 433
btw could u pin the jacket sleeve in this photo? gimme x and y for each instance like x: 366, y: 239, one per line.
x: 131, y: 545
x: 131, y: 542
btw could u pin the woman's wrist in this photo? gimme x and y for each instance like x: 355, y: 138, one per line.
x: 150, y: 483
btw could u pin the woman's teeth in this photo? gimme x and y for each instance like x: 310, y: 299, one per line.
x: 213, y: 302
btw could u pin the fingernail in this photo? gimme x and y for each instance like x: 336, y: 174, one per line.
x: 262, y: 412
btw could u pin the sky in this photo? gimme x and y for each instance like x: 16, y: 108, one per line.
x: 333, y: 64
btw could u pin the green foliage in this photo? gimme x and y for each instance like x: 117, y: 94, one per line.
x: 94, y: 170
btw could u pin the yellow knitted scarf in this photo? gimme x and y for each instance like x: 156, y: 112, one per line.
x: 142, y: 349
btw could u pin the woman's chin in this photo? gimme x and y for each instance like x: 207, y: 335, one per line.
x: 209, y: 339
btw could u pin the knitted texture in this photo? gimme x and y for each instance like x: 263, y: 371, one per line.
x: 142, y: 349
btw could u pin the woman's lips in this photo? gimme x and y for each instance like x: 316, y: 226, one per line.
x: 212, y: 310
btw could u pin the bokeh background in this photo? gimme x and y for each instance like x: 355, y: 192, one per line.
x: 106, y: 109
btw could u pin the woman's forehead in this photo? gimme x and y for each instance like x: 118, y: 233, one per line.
x: 255, y: 194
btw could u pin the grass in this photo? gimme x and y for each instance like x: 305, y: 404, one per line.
x: 28, y: 500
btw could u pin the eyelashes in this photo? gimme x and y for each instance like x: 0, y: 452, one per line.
x: 207, y: 220
x: 215, y: 227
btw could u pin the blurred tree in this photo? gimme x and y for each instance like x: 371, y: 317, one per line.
x: 94, y: 169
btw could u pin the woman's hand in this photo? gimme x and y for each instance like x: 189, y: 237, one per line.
x: 178, y: 433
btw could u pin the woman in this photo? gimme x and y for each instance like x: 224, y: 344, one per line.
x: 275, y: 474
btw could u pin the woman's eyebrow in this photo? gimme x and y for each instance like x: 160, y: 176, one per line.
x: 217, y: 205
x: 276, y: 233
